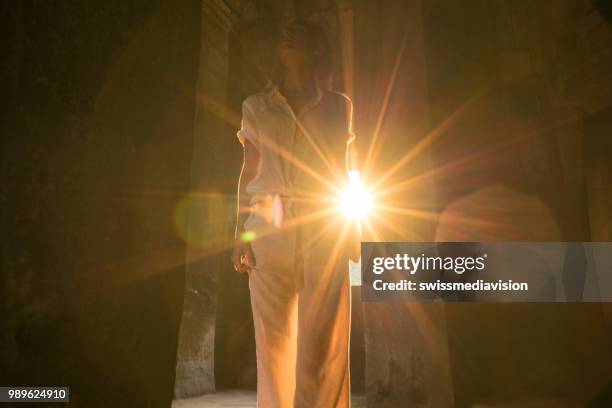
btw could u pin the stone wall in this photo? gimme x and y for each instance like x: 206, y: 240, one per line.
x: 96, y: 152
x: 516, y: 96
x: 533, y: 68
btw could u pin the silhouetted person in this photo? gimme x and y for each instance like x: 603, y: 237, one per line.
x: 296, y: 136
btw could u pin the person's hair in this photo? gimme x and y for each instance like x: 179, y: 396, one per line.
x: 315, y: 33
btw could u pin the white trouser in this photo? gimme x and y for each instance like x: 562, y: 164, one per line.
x: 301, y: 313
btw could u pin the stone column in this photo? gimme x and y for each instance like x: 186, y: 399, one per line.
x: 205, y: 217
x: 407, y: 362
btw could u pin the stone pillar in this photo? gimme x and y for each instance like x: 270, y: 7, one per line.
x: 407, y: 360
x: 207, y: 213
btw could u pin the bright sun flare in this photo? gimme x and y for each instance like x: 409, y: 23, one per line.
x: 355, y: 201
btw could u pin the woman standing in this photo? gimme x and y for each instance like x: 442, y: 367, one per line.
x: 296, y: 136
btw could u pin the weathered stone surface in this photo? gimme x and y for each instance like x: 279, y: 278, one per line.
x: 96, y: 150
x: 195, y: 354
x: 507, y: 353
x: 207, y: 215
x: 406, y: 348
x: 526, y: 133
x: 407, y: 358
x: 506, y: 88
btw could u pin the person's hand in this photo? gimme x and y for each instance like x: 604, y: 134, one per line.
x: 242, y: 256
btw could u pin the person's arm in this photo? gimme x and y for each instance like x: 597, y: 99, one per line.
x: 248, y: 173
x: 242, y: 255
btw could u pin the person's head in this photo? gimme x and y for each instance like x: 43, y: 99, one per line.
x: 305, y: 44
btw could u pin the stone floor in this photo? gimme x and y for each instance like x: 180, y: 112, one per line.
x: 237, y: 399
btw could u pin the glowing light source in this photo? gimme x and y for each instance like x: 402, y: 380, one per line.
x: 355, y: 201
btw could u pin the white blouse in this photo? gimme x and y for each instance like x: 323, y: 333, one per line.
x: 298, y: 152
